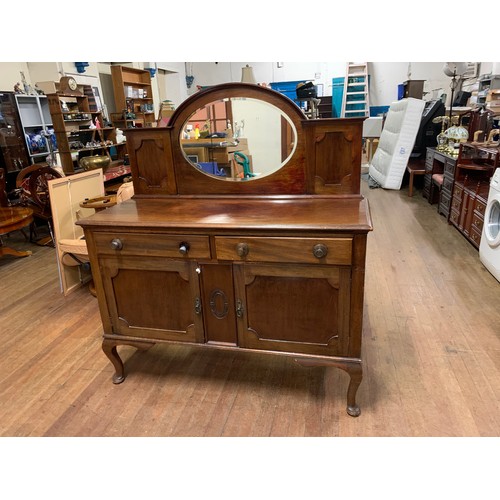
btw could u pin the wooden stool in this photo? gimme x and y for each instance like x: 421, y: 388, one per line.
x: 413, y: 171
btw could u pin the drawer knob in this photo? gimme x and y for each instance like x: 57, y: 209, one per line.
x: 184, y: 248
x: 116, y: 244
x: 242, y: 249
x: 320, y: 250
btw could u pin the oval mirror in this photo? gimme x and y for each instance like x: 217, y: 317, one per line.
x: 238, y: 139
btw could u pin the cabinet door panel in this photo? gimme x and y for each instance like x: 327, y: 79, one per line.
x: 293, y: 308
x: 218, y: 303
x: 156, y: 299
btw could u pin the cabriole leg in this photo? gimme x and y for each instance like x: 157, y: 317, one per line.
x: 109, y: 348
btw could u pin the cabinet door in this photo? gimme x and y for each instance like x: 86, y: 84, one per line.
x: 157, y: 299
x: 293, y: 308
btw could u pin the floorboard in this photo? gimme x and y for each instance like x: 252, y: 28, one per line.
x: 431, y: 353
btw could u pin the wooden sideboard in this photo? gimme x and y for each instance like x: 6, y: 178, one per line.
x: 475, y: 166
x: 273, y: 264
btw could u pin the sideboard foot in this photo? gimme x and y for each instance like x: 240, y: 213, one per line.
x: 355, y: 371
x: 109, y: 348
x: 353, y: 367
x: 354, y: 411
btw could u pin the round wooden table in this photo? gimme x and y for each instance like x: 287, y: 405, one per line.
x: 12, y: 219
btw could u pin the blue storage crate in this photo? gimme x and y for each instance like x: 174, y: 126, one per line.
x: 211, y: 167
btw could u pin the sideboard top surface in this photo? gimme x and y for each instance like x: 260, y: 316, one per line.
x: 298, y: 213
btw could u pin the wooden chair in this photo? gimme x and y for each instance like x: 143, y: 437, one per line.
x: 33, y: 192
x: 436, y: 185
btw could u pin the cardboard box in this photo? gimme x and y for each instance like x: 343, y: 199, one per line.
x: 493, y: 96
x: 47, y: 87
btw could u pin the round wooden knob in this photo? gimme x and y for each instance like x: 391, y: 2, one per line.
x: 184, y: 248
x: 242, y: 249
x: 320, y: 250
x: 116, y: 244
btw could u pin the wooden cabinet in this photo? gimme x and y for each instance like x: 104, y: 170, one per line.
x: 440, y: 163
x: 81, y: 132
x: 133, y: 97
x: 413, y: 88
x: 228, y: 265
x: 13, y: 152
x: 475, y: 166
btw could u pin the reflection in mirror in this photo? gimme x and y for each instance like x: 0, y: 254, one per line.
x: 238, y: 139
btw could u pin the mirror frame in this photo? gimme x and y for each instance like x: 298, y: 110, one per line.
x: 190, y: 180
x: 267, y: 160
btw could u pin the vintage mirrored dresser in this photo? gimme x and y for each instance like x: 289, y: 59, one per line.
x: 247, y: 230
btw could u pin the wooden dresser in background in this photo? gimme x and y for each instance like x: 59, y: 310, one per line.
x: 272, y: 264
x: 475, y: 166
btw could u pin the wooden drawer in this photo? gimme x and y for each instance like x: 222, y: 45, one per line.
x: 449, y: 167
x: 154, y: 245
x: 477, y: 221
x: 299, y: 250
x: 456, y: 203
x: 454, y: 217
x: 458, y: 190
x: 480, y: 207
x: 447, y: 183
x: 475, y: 236
x: 429, y: 156
x: 444, y: 204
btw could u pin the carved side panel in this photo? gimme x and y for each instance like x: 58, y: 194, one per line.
x: 334, y: 155
x: 151, y: 161
x: 334, y: 160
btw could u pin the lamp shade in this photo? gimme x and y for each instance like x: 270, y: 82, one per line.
x: 455, y: 68
x: 247, y: 75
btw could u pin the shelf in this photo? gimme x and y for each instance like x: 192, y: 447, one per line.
x: 71, y: 151
x: 479, y: 168
x: 136, y: 84
x: 39, y: 125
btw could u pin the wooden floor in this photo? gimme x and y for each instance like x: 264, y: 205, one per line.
x: 431, y: 353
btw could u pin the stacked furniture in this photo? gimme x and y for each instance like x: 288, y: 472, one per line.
x: 270, y: 264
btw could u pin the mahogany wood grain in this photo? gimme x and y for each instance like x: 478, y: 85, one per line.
x: 285, y: 252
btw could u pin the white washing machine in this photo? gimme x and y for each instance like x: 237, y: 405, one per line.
x: 489, y: 247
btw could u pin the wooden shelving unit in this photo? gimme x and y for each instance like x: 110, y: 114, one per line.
x: 133, y: 98
x: 36, y: 121
x: 81, y: 132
